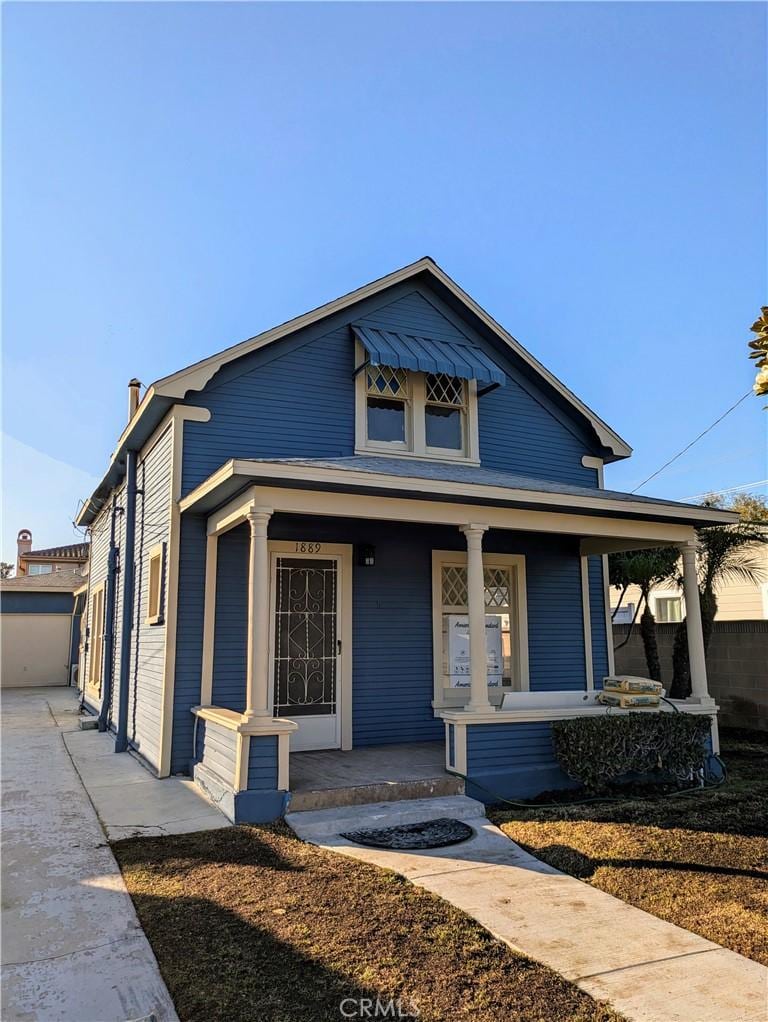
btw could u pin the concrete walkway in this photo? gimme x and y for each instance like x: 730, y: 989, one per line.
x: 72, y: 947
x: 650, y: 970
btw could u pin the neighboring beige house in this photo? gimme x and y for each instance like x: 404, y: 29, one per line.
x: 736, y: 601
x: 40, y: 627
x: 44, y: 561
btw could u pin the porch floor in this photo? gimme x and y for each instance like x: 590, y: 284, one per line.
x: 379, y: 773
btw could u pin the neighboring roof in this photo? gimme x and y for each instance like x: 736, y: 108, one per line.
x: 427, y: 355
x: 439, y: 480
x: 71, y: 552
x: 65, y: 581
x: 163, y: 393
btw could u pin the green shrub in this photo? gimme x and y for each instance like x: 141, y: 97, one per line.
x: 599, y: 750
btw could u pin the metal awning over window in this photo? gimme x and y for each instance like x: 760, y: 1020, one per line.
x: 427, y: 355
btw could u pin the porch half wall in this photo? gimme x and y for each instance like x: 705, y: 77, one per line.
x: 392, y: 664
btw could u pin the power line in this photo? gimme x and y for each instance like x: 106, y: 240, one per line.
x: 690, y: 445
x: 731, y: 489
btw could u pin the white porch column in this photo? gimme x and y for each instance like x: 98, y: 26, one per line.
x: 478, y: 692
x: 257, y: 670
x: 696, y: 658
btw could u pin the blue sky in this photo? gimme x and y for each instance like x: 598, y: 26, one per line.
x: 178, y: 177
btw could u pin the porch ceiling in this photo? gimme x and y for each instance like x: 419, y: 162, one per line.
x: 409, y: 479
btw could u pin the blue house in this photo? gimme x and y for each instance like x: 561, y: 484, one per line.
x: 383, y: 522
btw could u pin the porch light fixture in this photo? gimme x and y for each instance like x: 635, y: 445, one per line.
x: 366, y: 555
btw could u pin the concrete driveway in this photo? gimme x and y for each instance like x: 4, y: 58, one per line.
x: 72, y: 947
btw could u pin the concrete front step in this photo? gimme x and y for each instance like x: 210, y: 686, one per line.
x: 315, y: 825
x: 377, y: 791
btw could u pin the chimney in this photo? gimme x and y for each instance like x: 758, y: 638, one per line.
x: 23, y: 546
x: 134, y: 386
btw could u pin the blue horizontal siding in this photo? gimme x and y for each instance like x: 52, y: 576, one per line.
x: 36, y: 603
x: 262, y: 763
x: 497, y: 747
x: 296, y: 398
x: 189, y: 637
x: 230, y: 637
x: 597, y: 612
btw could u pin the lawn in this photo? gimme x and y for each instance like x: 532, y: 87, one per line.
x: 700, y: 861
x: 249, y: 924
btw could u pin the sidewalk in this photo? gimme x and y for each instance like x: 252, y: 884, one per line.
x: 650, y: 970
x: 72, y: 947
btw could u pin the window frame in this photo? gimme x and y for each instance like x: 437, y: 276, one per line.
x: 95, y: 673
x: 415, y: 445
x: 446, y: 697
x: 40, y: 568
x: 666, y: 597
x: 155, y: 558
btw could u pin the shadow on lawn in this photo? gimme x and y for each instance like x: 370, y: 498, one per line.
x: 579, y: 864
x: 238, y: 846
x: 222, y: 967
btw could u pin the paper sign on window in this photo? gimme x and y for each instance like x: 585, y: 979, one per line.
x: 457, y: 635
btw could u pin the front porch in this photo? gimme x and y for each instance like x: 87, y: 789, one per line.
x: 379, y: 773
x: 350, y: 637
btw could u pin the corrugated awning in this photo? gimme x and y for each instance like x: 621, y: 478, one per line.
x: 427, y: 355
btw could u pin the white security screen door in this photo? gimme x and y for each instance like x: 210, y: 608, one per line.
x: 307, y: 647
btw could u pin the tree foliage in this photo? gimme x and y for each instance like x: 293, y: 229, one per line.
x: 644, y: 569
x: 759, y: 351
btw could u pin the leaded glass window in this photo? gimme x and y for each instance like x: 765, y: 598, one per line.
x: 499, y: 604
x: 387, y: 401
x: 444, y: 411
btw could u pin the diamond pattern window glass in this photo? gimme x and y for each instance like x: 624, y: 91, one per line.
x: 445, y: 390
x: 454, y: 586
x: 384, y: 381
x: 500, y: 609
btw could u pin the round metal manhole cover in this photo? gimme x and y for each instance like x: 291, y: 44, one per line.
x: 429, y: 834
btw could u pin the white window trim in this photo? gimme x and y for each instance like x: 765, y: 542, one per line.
x: 446, y: 698
x: 667, y: 594
x: 95, y: 663
x: 415, y: 445
x: 155, y: 552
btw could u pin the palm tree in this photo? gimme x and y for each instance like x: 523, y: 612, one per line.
x: 726, y: 554
x: 645, y: 569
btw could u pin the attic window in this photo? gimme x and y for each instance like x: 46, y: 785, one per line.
x: 386, y: 405
x: 445, y: 412
x: 155, y: 585
x: 406, y: 413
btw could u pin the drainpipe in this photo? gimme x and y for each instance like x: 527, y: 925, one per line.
x: 109, y: 622
x: 127, y: 559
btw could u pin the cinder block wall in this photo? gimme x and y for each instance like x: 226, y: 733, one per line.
x: 737, y: 667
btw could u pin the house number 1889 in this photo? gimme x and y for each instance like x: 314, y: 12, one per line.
x: 308, y: 548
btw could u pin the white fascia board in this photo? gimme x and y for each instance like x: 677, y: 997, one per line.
x: 196, y: 376
x: 289, y: 472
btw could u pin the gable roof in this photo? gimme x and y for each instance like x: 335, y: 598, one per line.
x: 163, y: 393
x: 196, y: 376
x: 68, y: 552
x: 65, y: 581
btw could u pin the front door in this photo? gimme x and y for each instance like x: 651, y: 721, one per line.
x: 307, y: 643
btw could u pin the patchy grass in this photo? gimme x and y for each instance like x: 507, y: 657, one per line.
x: 700, y: 861
x: 250, y: 923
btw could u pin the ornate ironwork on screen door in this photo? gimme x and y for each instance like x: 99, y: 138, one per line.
x: 305, y: 636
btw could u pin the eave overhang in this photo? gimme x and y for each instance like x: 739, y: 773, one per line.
x: 237, y: 475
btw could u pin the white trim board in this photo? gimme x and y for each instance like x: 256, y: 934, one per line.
x: 345, y: 505
x: 283, y: 472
